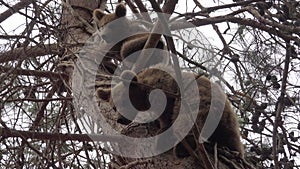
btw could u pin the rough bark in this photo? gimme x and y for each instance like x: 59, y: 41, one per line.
x: 167, y: 160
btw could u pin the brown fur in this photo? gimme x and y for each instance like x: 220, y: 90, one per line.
x: 227, y: 133
x: 123, y: 28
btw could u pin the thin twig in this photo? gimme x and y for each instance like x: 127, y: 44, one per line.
x: 281, y: 104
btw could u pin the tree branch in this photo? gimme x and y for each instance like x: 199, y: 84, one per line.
x: 36, y: 73
x: 28, y: 52
x: 280, y: 106
x: 41, y: 112
x: 143, y: 10
x: 5, y: 132
x: 20, y: 5
x: 248, y: 22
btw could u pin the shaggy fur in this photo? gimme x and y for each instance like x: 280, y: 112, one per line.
x: 227, y: 133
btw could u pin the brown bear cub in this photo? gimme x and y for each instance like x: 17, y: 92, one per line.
x: 127, y: 37
x: 227, y: 132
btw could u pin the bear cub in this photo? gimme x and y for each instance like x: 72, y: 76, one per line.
x: 126, y: 37
x: 227, y: 133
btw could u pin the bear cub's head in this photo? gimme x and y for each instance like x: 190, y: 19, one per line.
x: 102, y: 18
x: 115, y: 27
x: 128, y: 37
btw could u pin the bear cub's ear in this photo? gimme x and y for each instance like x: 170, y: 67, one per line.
x: 98, y: 14
x: 120, y: 10
x: 103, y: 94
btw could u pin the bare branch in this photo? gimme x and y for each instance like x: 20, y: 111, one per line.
x: 4, y: 132
x: 278, y: 117
x: 28, y: 52
x: 20, y: 5
x: 36, y: 73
